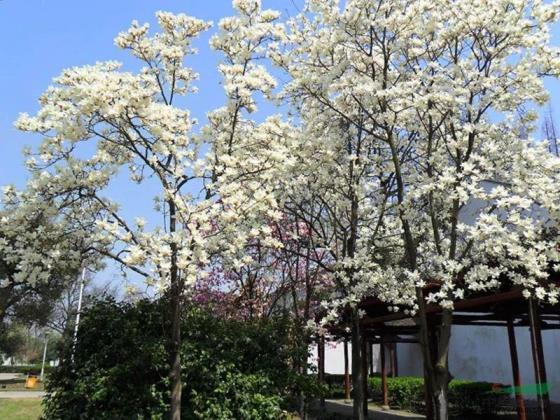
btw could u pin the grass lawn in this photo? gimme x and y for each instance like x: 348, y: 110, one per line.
x: 23, y: 409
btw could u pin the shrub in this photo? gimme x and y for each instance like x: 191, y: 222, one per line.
x: 25, y: 369
x: 237, y: 396
x: 119, y: 366
x: 465, y: 397
x: 475, y: 397
x: 334, y: 385
x: 231, y: 369
x: 405, y: 392
x: 268, y: 348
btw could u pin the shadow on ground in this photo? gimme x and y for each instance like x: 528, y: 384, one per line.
x: 342, y: 410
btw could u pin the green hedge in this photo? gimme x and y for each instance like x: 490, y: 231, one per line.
x: 334, y: 385
x: 24, y: 369
x: 405, y: 392
x: 476, y: 397
x: 465, y: 397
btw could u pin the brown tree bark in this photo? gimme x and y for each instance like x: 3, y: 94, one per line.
x: 357, y: 371
x: 384, y: 389
x: 346, y: 372
x: 175, y: 356
x: 321, y: 368
x: 435, y: 352
x: 176, y: 309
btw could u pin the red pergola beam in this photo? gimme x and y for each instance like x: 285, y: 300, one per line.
x: 459, y: 305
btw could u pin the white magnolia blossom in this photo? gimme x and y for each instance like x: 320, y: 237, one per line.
x: 411, y: 148
x: 40, y: 240
x: 404, y: 152
x: 211, y: 190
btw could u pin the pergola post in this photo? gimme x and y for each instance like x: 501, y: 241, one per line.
x: 346, y: 372
x: 321, y: 365
x: 520, y: 403
x: 384, y: 387
x: 538, y: 361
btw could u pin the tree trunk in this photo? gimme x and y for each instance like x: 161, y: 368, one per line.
x: 428, y: 396
x: 440, y: 396
x: 300, y: 362
x: 442, y: 376
x: 365, y: 375
x: 346, y: 372
x: 176, y: 307
x: 357, y: 371
x: 321, y: 368
x: 302, y: 400
x: 175, y: 356
x: 435, y: 352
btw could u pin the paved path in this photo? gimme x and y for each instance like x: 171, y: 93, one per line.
x: 341, y: 407
x: 21, y: 394
x: 9, y: 376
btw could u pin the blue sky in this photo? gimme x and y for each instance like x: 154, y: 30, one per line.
x: 39, y: 38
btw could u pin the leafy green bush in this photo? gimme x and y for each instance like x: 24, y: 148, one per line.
x: 218, y: 353
x: 119, y: 366
x: 36, y: 368
x: 231, y: 369
x: 334, y: 385
x: 238, y: 396
x: 465, y: 397
x: 475, y: 397
x: 405, y: 392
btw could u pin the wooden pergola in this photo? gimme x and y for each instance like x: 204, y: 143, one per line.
x: 506, y: 308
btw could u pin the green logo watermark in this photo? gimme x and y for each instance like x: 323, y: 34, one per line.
x: 531, y: 389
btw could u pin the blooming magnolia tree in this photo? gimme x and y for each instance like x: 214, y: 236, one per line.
x: 411, y: 150
x: 402, y: 164
x: 341, y: 193
x: 42, y: 248
x: 211, y: 193
x: 289, y: 279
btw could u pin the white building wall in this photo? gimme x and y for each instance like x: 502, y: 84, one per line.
x: 476, y: 353
x: 334, y: 357
x: 409, y: 359
x: 482, y: 354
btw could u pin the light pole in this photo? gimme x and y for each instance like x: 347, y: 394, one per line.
x: 78, y: 312
x: 44, y: 355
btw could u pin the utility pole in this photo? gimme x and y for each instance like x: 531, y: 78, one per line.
x: 78, y: 312
x: 549, y: 131
x: 44, y: 356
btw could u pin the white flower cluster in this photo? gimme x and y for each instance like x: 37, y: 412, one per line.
x: 402, y: 152
x: 39, y: 242
x: 411, y: 150
x: 99, y: 119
